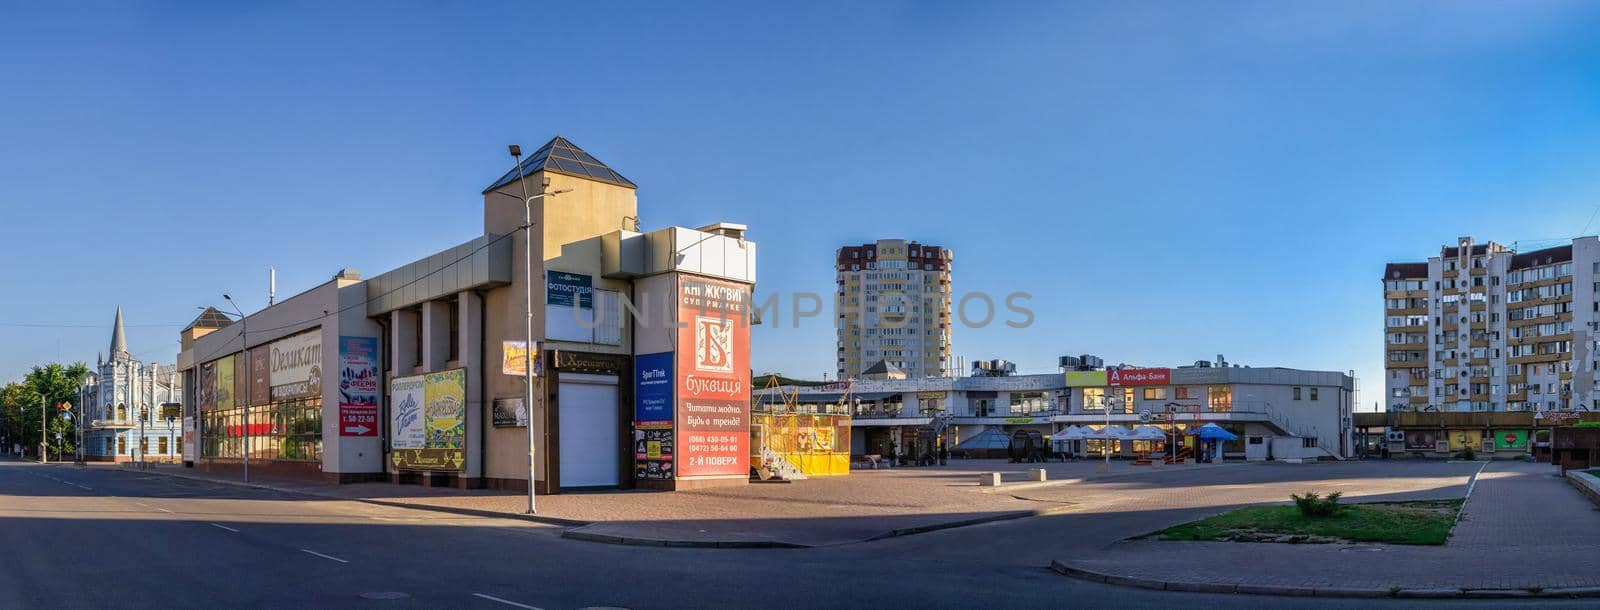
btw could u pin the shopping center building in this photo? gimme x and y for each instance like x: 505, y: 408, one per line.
x: 641, y: 341
x: 1277, y: 413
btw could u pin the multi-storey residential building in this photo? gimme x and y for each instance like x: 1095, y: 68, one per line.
x: 893, y: 305
x: 1482, y: 327
x: 122, y: 401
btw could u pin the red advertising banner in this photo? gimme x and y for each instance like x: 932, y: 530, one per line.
x: 1121, y: 377
x: 713, y: 378
x: 358, y: 386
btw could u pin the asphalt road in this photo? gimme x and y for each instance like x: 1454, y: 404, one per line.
x: 100, y: 538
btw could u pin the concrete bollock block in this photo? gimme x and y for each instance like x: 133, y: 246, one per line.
x: 988, y: 479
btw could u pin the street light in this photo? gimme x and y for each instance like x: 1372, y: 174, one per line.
x: 527, y: 278
x: 244, y: 348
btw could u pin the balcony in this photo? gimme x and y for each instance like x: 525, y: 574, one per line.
x: 114, y: 424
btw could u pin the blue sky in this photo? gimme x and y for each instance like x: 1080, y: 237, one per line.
x: 1169, y: 180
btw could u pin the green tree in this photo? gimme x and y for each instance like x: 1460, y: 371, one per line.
x: 48, y: 385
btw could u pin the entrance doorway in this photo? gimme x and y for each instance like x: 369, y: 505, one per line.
x: 590, y: 440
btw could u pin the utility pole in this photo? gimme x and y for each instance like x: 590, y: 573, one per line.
x: 44, y: 417
x: 144, y: 414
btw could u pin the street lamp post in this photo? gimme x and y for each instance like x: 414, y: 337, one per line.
x: 527, y: 278
x: 144, y: 442
x: 244, y: 349
x: 44, y: 417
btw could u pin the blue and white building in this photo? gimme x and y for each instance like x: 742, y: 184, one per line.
x: 120, y: 395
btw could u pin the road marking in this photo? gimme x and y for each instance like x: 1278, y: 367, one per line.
x: 164, y: 510
x: 224, y: 527
x: 323, y: 556
x: 142, y: 504
x: 507, y: 602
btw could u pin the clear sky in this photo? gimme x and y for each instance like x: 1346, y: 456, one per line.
x: 1169, y: 181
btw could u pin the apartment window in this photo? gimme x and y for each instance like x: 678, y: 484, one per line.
x: 1127, y: 400
x: 1297, y: 393
x: 1309, y: 442
x: 1313, y: 393
x: 1181, y: 393
x: 1094, y: 399
x: 1155, y: 393
x: 144, y: 446
x: 161, y: 445
x: 111, y: 447
x: 122, y: 445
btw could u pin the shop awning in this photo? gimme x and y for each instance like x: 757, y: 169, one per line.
x: 1213, y: 432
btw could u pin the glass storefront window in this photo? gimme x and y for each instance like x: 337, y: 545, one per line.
x: 284, y: 430
x: 1094, y: 399
x: 1219, y: 398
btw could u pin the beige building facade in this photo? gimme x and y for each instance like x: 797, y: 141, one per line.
x: 431, y: 354
x: 893, y: 309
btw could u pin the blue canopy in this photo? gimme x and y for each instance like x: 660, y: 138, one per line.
x: 1213, y: 432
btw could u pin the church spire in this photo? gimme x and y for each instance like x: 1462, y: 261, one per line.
x: 119, y: 339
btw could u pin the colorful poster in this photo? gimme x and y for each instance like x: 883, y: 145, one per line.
x: 513, y: 358
x: 1510, y: 439
x: 260, y: 380
x: 1125, y: 377
x: 358, y: 386
x: 652, y: 393
x: 652, y: 459
x: 406, y: 397
x: 713, y: 378
x: 223, y: 392
x: 443, y: 423
x: 241, y: 380
x: 296, y: 370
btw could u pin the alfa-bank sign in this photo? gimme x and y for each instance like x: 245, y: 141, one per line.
x: 1123, y: 377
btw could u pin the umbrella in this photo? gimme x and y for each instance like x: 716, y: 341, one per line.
x: 1148, y: 433
x: 1213, y: 432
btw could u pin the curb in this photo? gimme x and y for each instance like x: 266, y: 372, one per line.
x: 688, y: 544
x: 389, y: 503
x: 934, y: 527
x: 1242, y: 589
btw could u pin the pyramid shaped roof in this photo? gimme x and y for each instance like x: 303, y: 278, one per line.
x: 561, y: 156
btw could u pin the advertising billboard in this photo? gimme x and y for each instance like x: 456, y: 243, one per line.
x: 1079, y: 379
x: 1126, y: 377
x: 513, y: 358
x: 1421, y: 439
x: 208, y: 386
x: 652, y: 389
x: 429, y: 420
x: 223, y: 392
x: 296, y: 370
x: 713, y: 378
x: 260, y: 380
x: 358, y: 386
x: 569, y: 306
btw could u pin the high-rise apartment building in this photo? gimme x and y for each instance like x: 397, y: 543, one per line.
x: 1482, y: 327
x: 893, y: 307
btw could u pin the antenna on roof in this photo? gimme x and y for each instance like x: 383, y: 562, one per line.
x: 272, y: 285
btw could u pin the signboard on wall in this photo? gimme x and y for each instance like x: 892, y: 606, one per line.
x: 713, y: 378
x: 429, y: 421
x: 508, y: 413
x: 513, y: 358
x: 569, y: 307
x: 652, y: 389
x: 652, y: 454
x: 1079, y: 379
x: 223, y: 392
x: 1126, y: 377
x: 569, y: 289
x: 358, y: 386
x: 208, y: 386
x: 296, y: 370
x: 260, y: 379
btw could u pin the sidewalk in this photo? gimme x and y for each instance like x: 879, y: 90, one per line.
x: 865, y: 505
x: 1523, y: 532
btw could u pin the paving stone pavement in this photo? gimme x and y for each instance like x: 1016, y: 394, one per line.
x: 1522, y: 528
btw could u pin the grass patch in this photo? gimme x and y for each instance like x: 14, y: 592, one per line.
x: 1426, y: 522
